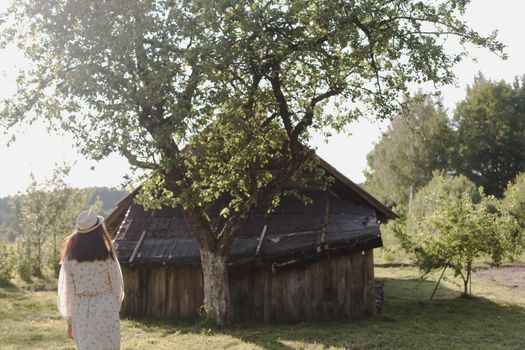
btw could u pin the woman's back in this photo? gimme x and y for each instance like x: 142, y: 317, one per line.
x: 91, y: 293
x: 91, y: 276
x: 90, y: 286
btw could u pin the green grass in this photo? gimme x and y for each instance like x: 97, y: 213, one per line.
x: 494, y: 319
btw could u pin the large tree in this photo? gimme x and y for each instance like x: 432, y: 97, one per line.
x: 415, y: 144
x: 218, y: 98
x: 490, y: 126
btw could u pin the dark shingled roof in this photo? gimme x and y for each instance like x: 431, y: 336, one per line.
x: 293, y: 232
x: 342, y: 220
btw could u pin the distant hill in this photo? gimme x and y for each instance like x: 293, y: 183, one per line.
x: 4, y: 206
x: 109, y: 198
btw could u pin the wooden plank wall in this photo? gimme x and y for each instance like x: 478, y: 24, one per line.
x: 162, y: 293
x: 337, y: 288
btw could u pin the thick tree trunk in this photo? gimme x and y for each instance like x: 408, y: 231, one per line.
x: 214, y: 262
x: 215, y: 246
x: 217, y: 302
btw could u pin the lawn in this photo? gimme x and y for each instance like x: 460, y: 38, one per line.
x: 494, y: 319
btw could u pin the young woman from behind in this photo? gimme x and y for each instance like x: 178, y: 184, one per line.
x: 90, y: 285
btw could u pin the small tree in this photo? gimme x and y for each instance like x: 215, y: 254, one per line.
x: 453, y: 224
x: 45, y: 213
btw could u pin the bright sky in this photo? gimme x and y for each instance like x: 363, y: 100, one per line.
x: 36, y: 151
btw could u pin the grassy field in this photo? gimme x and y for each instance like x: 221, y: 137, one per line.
x: 494, y: 319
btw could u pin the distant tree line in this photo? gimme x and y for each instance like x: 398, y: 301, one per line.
x: 108, y: 198
x: 484, y: 141
x: 458, y: 184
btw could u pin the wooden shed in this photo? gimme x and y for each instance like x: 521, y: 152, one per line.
x: 301, y: 262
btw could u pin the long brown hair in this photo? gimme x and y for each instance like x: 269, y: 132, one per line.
x: 90, y: 246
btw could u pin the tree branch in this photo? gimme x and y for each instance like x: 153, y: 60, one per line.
x: 133, y: 160
x: 284, y: 110
x: 371, y: 44
x: 185, y: 100
x: 268, y: 120
x: 201, y: 229
x: 307, y: 119
x: 263, y: 199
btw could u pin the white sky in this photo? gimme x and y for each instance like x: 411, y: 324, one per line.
x: 36, y: 151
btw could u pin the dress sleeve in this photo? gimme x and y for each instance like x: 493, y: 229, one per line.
x: 116, y: 281
x: 66, y: 290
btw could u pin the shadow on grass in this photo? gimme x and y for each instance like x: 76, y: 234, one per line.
x: 12, y: 292
x: 409, y: 320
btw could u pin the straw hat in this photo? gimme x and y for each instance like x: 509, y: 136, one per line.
x: 87, y: 221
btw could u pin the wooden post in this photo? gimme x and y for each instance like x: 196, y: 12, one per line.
x: 439, y: 280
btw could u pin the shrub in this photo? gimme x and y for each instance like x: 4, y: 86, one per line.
x: 452, y: 224
x: 7, y: 263
x: 24, y: 259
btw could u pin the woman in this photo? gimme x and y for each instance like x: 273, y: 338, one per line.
x: 90, y: 286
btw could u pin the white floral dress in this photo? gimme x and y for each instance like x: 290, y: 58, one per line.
x: 90, y: 294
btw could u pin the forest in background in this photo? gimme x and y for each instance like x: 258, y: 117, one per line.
x: 456, y: 181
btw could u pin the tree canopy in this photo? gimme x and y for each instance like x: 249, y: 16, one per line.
x: 484, y: 141
x: 414, y: 146
x: 218, y: 98
x: 490, y: 126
